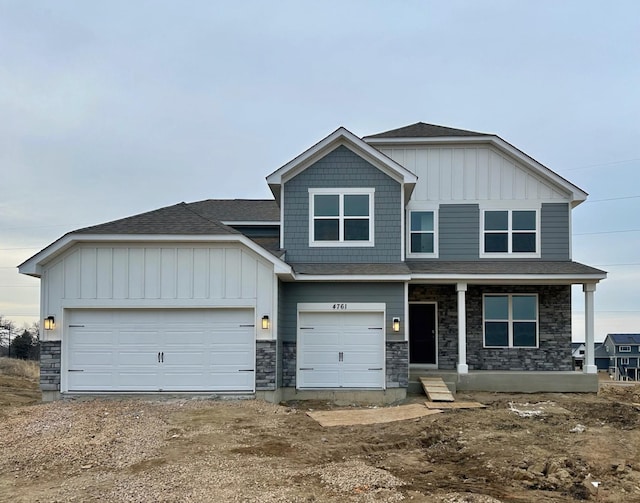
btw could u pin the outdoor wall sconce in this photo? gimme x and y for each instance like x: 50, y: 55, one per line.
x: 265, y: 322
x: 49, y: 323
x: 396, y: 324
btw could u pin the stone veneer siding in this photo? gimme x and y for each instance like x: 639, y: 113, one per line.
x: 554, y: 332
x: 265, y: 365
x: 50, y: 352
x: 554, y: 328
x: 289, y: 364
x: 397, y: 364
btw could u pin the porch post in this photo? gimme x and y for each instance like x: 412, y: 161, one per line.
x: 589, y: 357
x: 463, y: 368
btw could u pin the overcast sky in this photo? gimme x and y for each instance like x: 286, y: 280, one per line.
x: 112, y: 108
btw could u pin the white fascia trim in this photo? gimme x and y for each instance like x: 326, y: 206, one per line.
x: 341, y: 136
x: 352, y: 277
x: 577, y: 194
x: 509, y: 279
x: 33, y: 265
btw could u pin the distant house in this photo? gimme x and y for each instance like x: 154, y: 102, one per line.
x: 624, y: 356
x: 600, y: 355
x: 423, y: 248
x: 577, y: 354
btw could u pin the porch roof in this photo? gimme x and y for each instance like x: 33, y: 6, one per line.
x: 514, y: 270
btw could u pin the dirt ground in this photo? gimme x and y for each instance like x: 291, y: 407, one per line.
x: 522, y: 448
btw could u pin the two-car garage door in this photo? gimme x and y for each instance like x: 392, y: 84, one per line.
x: 161, y: 350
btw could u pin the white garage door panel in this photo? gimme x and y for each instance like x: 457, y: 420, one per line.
x: 341, y: 350
x: 161, y: 350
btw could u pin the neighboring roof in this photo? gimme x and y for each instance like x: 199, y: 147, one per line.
x: 350, y: 269
x: 422, y: 130
x: 507, y: 270
x: 576, y: 345
x: 625, y: 338
x: 601, y: 351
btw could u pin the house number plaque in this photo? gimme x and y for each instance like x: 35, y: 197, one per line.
x: 340, y: 307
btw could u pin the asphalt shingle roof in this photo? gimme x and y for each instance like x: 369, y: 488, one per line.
x: 625, y: 338
x: 238, y: 210
x: 199, y: 218
x: 422, y: 130
x: 500, y: 267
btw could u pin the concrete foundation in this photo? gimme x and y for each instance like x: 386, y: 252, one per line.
x: 511, y: 381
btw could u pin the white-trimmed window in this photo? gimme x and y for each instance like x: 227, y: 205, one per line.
x: 422, y: 233
x: 510, y: 320
x: 510, y: 232
x: 624, y: 349
x: 341, y: 217
x: 624, y: 361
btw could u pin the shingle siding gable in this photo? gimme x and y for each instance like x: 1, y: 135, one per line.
x: 342, y: 168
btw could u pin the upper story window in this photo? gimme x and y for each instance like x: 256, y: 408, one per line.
x: 624, y: 349
x: 510, y: 232
x: 510, y: 320
x: 341, y: 217
x: 422, y: 233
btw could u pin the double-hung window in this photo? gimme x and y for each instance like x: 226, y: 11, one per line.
x: 510, y: 232
x: 422, y: 232
x: 510, y: 320
x: 624, y: 349
x: 341, y: 217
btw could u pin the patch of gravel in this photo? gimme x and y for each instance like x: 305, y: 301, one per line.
x: 76, y: 436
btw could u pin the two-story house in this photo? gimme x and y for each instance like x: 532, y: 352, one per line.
x: 624, y: 356
x: 422, y: 249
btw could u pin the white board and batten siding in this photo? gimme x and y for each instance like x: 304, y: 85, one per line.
x: 472, y: 174
x: 154, y: 276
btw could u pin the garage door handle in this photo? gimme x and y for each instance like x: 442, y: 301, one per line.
x: 379, y: 368
x: 246, y: 370
x: 160, y: 357
x: 76, y: 326
x: 76, y: 370
x: 375, y: 328
x: 305, y: 368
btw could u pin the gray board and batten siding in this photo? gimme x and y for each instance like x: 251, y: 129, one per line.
x: 392, y: 294
x: 342, y: 168
x: 459, y: 232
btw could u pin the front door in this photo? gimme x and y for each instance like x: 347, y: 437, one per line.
x: 422, y: 334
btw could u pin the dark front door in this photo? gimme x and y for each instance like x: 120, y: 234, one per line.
x: 422, y: 333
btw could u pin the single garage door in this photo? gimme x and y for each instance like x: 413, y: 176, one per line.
x: 341, y: 350
x: 161, y: 350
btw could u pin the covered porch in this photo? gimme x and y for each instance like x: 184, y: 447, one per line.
x: 467, y: 356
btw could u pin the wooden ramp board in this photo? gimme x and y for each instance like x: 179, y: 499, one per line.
x: 436, y: 389
x: 351, y: 417
x: 455, y: 405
